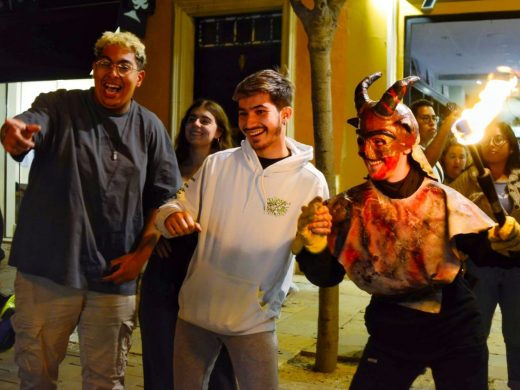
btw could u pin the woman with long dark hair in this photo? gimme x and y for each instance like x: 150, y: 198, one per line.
x: 497, y: 285
x: 204, y: 130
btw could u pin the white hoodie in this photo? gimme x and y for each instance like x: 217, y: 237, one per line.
x: 238, y: 276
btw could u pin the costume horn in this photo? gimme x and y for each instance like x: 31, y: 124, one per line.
x: 361, y: 94
x: 393, y: 95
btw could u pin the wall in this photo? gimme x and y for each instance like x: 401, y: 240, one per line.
x: 360, y: 48
x: 155, y: 92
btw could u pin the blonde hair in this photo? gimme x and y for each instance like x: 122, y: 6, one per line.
x: 124, y: 39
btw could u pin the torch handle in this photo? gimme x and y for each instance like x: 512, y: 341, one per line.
x: 486, y: 183
x: 488, y: 187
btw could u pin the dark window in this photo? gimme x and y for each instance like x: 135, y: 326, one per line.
x: 49, y: 40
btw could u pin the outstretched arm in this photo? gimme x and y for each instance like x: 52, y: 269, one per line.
x: 17, y: 136
x: 434, y: 150
x: 310, y: 245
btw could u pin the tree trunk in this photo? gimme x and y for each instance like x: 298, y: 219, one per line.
x: 320, y: 26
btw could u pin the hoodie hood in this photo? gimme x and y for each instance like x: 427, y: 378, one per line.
x: 301, y: 154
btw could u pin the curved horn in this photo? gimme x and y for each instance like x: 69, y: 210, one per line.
x: 361, y: 94
x: 393, y: 95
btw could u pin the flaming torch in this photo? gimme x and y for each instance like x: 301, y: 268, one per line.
x: 469, y: 129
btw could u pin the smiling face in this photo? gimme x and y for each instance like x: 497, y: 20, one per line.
x: 201, y: 128
x: 264, y: 125
x: 112, y: 91
x: 383, y: 156
x: 384, y: 145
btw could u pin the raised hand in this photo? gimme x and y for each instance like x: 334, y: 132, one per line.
x: 314, y: 224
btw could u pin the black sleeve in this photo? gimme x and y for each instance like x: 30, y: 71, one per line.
x: 322, y: 269
x: 478, y: 248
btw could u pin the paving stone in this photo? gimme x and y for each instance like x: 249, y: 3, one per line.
x: 296, y: 328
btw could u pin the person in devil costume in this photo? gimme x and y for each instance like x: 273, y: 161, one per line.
x: 399, y: 236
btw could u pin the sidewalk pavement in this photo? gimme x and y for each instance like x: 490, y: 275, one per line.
x: 296, y: 329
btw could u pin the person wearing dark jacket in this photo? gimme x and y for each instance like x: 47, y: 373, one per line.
x: 102, y: 165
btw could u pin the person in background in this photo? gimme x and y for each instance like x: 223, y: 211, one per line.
x: 494, y: 285
x: 396, y: 236
x: 244, y: 203
x: 433, y: 138
x: 204, y: 130
x: 102, y: 166
x: 454, y: 160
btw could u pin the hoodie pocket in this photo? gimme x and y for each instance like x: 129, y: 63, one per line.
x: 222, y: 303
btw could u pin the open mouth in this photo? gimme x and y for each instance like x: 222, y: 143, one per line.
x: 112, y: 89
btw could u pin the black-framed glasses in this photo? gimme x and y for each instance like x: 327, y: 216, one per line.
x: 498, y: 140
x: 427, y: 118
x: 122, y: 68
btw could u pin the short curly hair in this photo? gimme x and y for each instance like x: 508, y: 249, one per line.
x: 124, y: 39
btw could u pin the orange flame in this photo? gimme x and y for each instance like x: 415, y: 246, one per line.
x: 469, y: 128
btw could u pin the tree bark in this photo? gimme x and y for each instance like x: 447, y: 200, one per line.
x: 320, y: 25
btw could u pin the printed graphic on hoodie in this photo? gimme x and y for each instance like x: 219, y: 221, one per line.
x: 277, y: 207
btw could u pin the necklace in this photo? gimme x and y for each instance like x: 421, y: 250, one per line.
x: 115, y: 137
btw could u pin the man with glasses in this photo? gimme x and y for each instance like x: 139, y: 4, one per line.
x: 102, y: 165
x: 432, y: 138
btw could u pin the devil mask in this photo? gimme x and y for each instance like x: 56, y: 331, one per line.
x: 386, y: 128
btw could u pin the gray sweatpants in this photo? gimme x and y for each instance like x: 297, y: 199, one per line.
x: 254, y: 357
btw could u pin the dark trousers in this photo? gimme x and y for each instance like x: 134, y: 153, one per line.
x: 501, y: 286
x: 460, y: 368
x: 158, y: 310
x: 404, y: 341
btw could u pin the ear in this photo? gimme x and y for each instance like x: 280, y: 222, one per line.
x: 218, y: 133
x: 286, y: 113
x: 140, y: 78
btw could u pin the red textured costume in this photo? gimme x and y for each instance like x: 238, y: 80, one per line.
x: 394, y: 247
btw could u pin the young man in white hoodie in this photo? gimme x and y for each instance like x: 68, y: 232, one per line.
x: 244, y: 204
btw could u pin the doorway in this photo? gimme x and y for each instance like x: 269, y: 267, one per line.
x: 229, y: 48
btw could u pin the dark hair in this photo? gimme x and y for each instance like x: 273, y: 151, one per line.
x: 182, y: 147
x: 513, y: 161
x: 272, y: 82
x: 420, y: 103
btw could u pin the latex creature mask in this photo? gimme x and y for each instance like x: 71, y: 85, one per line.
x: 387, y: 118
x: 386, y: 128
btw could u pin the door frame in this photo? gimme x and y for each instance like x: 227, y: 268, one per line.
x: 184, y: 45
